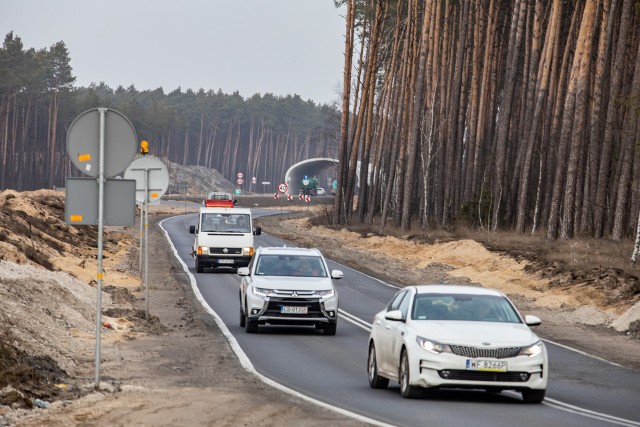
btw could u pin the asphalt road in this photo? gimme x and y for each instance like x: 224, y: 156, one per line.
x: 583, y: 391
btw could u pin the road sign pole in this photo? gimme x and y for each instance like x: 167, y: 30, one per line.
x: 146, y: 244
x: 101, y: 111
x: 101, y: 142
x: 140, y: 243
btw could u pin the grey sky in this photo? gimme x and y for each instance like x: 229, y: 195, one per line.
x: 253, y: 46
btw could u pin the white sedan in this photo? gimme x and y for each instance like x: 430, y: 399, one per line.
x: 447, y: 336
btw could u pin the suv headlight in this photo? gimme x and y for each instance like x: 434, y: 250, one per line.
x: 433, y: 346
x: 326, y: 294
x: 261, y: 292
x: 531, y: 351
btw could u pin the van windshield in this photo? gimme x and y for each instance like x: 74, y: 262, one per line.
x: 229, y: 223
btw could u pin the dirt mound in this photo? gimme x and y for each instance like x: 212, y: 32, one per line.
x: 195, y: 180
x: 47, y: 319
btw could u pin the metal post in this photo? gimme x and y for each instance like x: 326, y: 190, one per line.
x: 146, y: 243
x: 102, y: 112
x: 140, y: 242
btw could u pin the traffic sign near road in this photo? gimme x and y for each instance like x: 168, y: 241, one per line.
x: 282, y: 187
x: 119, y: 142
x: 151, y: 176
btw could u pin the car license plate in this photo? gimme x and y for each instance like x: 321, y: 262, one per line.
x: 293, y: 310
x: 225, y: 261
x: 486, y: 365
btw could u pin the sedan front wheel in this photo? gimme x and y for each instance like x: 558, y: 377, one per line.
x: 375, y: 380
x: 406, y: 389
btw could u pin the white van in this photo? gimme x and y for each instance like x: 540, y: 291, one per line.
x: 224, y: 238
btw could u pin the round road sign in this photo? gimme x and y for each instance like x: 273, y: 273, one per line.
x: 282, y: 187
x: 240, y: 175
x: 158, y: 180
x: 240, y: 181
x: 83, y: 142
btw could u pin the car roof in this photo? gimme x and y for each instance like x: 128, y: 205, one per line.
x: 286, y: 250
x: 456, y: 289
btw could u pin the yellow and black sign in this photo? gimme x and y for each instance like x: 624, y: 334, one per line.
x: 144, y: 147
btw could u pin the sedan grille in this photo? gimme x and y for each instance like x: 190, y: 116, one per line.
x: 462, y: 375
x: 494, y: 353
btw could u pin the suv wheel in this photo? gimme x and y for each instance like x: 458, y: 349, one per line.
x: 243, y: 319
x: 330, y: 329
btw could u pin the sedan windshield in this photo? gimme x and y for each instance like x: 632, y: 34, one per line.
x: 482, y: 308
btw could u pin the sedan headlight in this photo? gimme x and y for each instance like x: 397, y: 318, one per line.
x: 433, y: 346
x: 326, y: 294
x: 261, y: 292
x: 531, y: 351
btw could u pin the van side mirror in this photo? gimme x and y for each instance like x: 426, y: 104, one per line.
x: 192, y: 229
x: 257, y: 231
x: 235, y: 201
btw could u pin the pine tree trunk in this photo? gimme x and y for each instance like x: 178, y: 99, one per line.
x: 612, y: 126
x: 576, y: 129
x: 338, y: 208
x: 515, y: 38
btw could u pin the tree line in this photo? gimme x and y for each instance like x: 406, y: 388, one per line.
x: 504, y: 114
x: 259, y: 136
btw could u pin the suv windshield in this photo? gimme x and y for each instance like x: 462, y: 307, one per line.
x: 289, y: 265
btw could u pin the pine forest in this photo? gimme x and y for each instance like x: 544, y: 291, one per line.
x: 515, y: 115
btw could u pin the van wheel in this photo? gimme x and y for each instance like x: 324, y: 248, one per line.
x: 199, y: 267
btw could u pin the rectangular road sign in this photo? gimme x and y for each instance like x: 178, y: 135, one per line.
x: 81, y: 207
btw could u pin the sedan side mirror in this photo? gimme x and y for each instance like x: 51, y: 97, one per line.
x: 394, y: 315
x: 337, y: 274
x: 532, y: 320
x: 243, y: 271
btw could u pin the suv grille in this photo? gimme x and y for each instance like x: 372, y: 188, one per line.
x: 313, y: 307
x: 494, y: 353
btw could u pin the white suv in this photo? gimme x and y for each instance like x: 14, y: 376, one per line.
x: 288, y: 286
